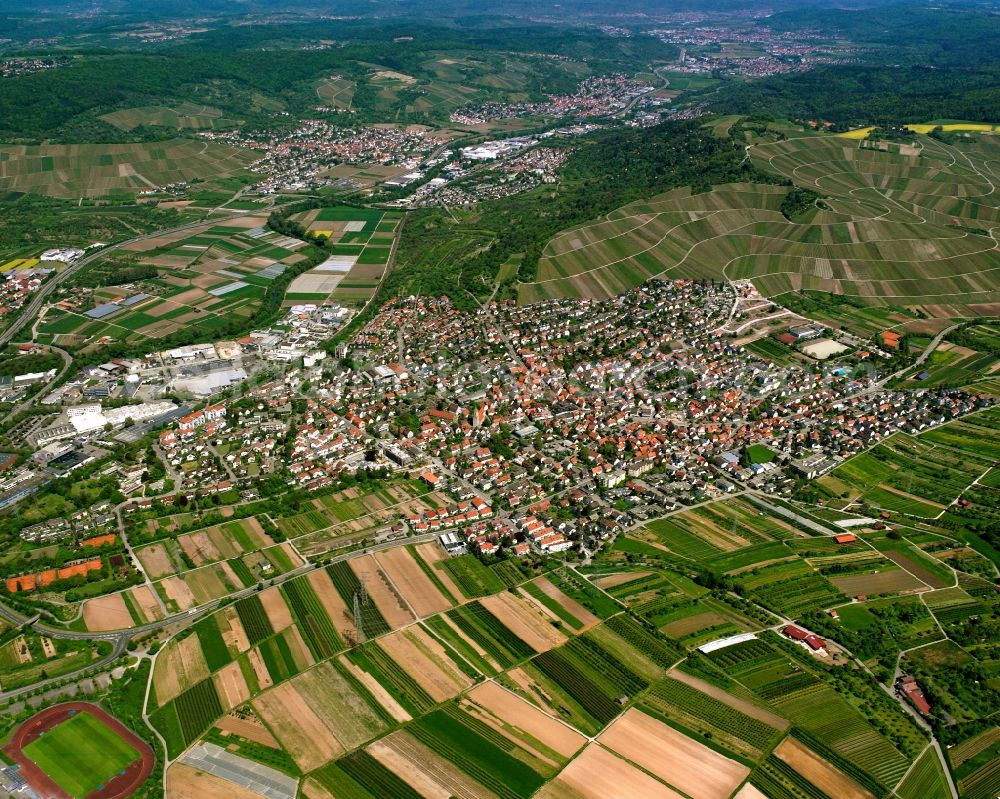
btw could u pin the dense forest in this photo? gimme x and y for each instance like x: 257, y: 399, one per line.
x: 610, y: 169
x: 915, y: 65
x: 253, y: 71
x: 27, y: 220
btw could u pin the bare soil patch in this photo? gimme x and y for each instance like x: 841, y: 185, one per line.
x: 425, y: 660
x: 259, y: 669
x: 232, y: 688
x: 422, y: 782
x: 313, y: 790
x: 433, y: 554
x: 300, y: 652
x: 385, y: 597
x: 614, y: 580
x: 598, y: 774
x: 179, y: 665
x: 571, y: 605
x: 819, y: 772
x: 515, y: 711
x: 187, y: 782
x: 107, y: 613
x: 143, y: 599
x: 671, y: 756
x: 277, y: 611
x: 375, y: 688
x: 420, y: 765
x: 250, y: 730
x: 300, y: 731
x: 200, y: 548
x: 334, y: 606
x: 410, y: 580
x: 155, y: 561
x: 524, y: 621
x: 177, y: 590
x: 232, y: 630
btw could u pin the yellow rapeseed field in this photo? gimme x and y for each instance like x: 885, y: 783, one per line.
x: 858, y: 134
x: 954, y: 126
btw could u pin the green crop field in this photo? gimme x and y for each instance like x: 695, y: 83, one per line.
x: 885, y: 232
x: 100, y: 170
x: 472, y: 577
x: 703, y: 713
x: 490, y: 758
x: 184, y: 116
x: 81, y: 754
x: 921, y: 475
x: 925, y: 781
x: 209, y: 278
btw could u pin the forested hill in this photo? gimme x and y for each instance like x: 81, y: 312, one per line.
x: 246, y: 70
x: 903, y: 33
x: 917, y: 64
x: 461, y: 256
x: 857, y: 96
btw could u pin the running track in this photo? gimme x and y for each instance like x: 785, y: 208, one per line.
x: 119, y: 787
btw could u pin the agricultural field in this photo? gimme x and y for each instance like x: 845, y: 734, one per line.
x: 212, y: 278
x: 184, y: 116
x: 886, y: 232
x: 974, y: 764
x: 468, y: 680
x: 919, y: 475
x: 115, y: 170
x: 926, y: 781
x: 829, y: 724
x: 954, y: 365
x: 336, y: 92
x: 728, y: 535
x: 361, y: 242
x: 343, y: 519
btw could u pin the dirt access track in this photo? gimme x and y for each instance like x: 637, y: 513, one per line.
x: 119, y: 787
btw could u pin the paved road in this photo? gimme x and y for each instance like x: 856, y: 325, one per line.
x: 123, y: 637
x: 36, y: 395
x: 933, y: 345
x: 35, y: 305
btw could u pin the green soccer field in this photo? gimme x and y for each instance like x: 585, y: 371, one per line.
x: 81, y: 754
